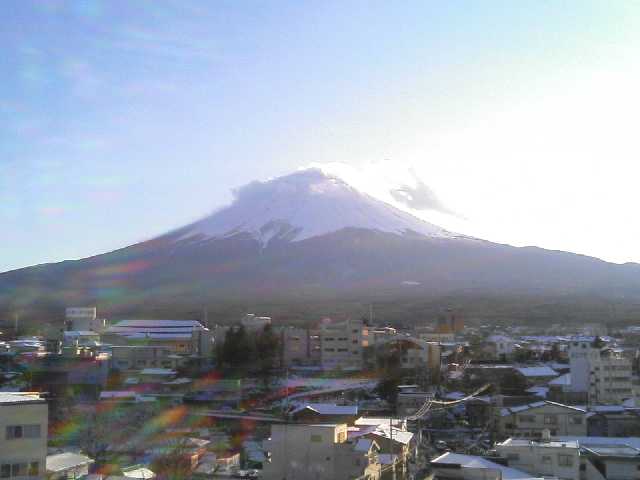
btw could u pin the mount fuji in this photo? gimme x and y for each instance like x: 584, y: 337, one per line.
x: 308, y: 236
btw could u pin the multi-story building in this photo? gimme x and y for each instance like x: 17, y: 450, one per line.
x: 603, y: 372
x: 319, y: 452
x: 342, y: 343
x: 23, y: 436
x: 253, y: 323
x: 84, y: 319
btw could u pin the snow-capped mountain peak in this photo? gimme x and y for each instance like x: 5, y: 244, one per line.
x: 302, y: 205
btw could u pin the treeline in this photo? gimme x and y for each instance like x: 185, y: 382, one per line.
x: 240, y: 350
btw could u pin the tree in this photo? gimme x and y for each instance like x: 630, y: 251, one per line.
x: 267, y: 349
x: 387, y: 389
x: 174, y: 465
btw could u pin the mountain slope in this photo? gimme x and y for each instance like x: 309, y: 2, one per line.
x: 311, y: 237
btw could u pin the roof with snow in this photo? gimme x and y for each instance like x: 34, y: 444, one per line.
x: 65, y: 461
x: 327, y: 409
x: 12, y: 398
x: 472, y: 461
x: 562, y: 380
x: 506, y: 411
x: 541, y: 371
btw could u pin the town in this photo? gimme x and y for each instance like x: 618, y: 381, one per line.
x: 450, y: 398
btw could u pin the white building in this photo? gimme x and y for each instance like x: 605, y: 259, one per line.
x: 187, y: 337
x: 456, y: 466
x: 342, y: 343
x: 601, y: 371
x: 23, y: 435
x: 83, y: 319
x: 318, y: 452
x: 574, y: 458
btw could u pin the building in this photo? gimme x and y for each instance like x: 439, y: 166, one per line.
x: 411, y: 353
x: 456, y: 466
x: 531, y: 420
x: 324, y: 413
x: 137, y: 357
x: 23, y: 435
x: 603, y: 372
x: 254, y: 324
x: 63, y: 466
x: 574, y: 458
x: 319, y: 452
x: 342, y: 343
x: 297, y: 347
x: 185, y: 337
x: 559, y: 459
x: 500, y: 347
x: 84, y: 319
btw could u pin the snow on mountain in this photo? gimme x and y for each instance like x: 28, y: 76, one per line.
x: 302, y: 205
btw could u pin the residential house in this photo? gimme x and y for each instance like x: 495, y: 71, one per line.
x: 67, y: 465
x: 529, y: 421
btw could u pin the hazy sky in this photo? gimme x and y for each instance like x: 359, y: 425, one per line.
x: 120, y: 120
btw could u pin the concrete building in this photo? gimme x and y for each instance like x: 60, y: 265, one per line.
x: 137, y: 357
x: 456, y: 466
x: 576, y: 458
x: 185, y: 337
x: 603, y: 372
x: 298, y: 346
x: 559, y: 459
x: 23, y: 435
x: 531, y: 420
x: 342, y: 344
x: 319, y: 452
x: 84, y: 319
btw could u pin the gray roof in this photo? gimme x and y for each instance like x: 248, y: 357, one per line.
x: 65, y: 461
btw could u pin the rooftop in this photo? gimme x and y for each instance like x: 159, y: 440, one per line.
x: 12, y: 398
x: 64, y: 461
x: 472, y: 461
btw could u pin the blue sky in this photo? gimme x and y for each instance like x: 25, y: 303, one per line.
x: 120, y: 120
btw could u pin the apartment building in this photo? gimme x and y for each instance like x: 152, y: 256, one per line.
x: 84, y: 319
x: 560, y: 459
x: 577, y: 458
x: 531, y: 420
x: 319, y: 452
x: 603, y: 372
x: 342, y: 343
x: 23, y: 436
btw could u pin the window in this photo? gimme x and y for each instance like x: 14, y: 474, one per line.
x: 19, y: 470
x: 316, y: 438
x: 575, y: 420
x: 546, y: 459
x: 31, y: 431
x: 527, y: 418
x: 34, y: 469
x: 550, y: 419
x: 14, y: 431
x: 5, y: 470
x: 565, y: 460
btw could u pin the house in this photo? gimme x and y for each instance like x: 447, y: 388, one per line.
x: 530, y: 420
x: 319, y: 452
x: 23, y: 435
x: 499, y: 347
x: 324, y: 413
x: 537, y: 375
x: 67, y: 465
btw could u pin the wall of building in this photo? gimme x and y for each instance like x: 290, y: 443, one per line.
x: 24, y: 450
